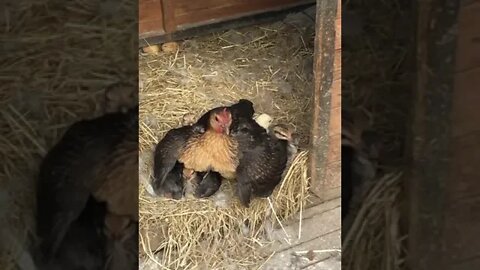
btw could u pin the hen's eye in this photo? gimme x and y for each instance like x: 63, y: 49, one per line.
x: 217, y: 119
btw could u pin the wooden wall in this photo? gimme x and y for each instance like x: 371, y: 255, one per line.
x: 159, y: 17
x: 150, y: 18
x: 444, y: 186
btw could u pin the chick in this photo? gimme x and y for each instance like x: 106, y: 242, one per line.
x: 173, y: 185
x: 264, y: 120
x: 209, y: 183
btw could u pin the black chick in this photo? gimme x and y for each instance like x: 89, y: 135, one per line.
x: 84, y: 244
x: 167, y: 171
x: 172, y: 185
x: 209, y: 183
x: 263, y: 159
x: 68, y: 173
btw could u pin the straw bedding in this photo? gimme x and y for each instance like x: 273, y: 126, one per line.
x: 56, y: 61
x: 268, y: 64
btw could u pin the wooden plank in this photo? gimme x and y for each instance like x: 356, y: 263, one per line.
x: 324, y: 214
x: 267, y: 17
x: 462, y: 230
x: 324, y: 164
x: 311, y: 211
x: 462, y: 220
x: 469, y: 100
x: 469, y: 40
x: 286, y: 259
x: 465, y: 265
x: 170, y: 20
x: 465, y: 167
x: 313, y: 237
x: 207, y: 12
x: 431, y: 141
x: 150, y: 18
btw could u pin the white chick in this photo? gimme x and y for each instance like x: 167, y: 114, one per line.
x: 264, y: 120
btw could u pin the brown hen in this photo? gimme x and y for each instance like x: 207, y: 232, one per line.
x: 215, y: 150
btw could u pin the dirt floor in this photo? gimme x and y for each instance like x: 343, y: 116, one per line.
x: 270, y: 64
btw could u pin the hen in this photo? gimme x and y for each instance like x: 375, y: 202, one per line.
x: 94, y: 157
x: 213, y: 149
x: 263, y: 159
x: 201, y: 147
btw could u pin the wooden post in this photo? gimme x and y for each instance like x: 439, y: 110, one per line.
x: 325, y: 163
x: 433, y: 171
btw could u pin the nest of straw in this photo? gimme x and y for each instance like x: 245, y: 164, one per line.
x: 374, y: 240
x: 268, y: 64
x: 60, y: 58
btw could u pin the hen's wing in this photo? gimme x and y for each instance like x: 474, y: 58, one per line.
x: 261, y: 167
x: 167, y: 152
x: 67, y: 174
x: 120, y: 185
x: 270, y: 174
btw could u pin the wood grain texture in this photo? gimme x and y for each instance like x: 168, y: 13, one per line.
x: 325, y: 162
x: 214, y: 27
x: 444, y: 224
x: 469, y: 40
x: 166, y: 17
x: 150, y: 18
x: 462, y: 214
x: 209, y: 11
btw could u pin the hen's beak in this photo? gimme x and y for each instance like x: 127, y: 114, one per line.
x: 226, y: 129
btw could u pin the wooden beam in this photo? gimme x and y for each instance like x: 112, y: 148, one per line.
x: 431, y: 138
x: 325, y: 164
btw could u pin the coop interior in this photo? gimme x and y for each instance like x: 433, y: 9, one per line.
x: 271, y: 64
